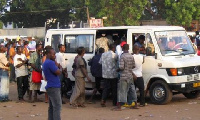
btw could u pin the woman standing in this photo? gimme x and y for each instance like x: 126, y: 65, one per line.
x: 78, y: 96
x: 4, y: 80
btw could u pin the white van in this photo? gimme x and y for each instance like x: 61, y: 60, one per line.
x: 171, y: 65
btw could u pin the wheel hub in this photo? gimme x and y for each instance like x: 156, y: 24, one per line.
x: 159, y: 93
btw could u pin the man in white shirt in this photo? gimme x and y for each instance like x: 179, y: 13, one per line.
x: 21, y: 71
x: 61, y: 59
x: 139, y: 82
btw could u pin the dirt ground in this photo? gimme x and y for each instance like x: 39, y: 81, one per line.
x: 179, y: 108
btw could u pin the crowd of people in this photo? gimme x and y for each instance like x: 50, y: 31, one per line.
x: 120, y: 71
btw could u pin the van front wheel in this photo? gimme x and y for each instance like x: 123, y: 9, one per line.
x: 191, y: 95
x: 160, y: 93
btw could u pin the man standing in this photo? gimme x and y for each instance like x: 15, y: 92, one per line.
x: 126, y: 88
x: 21, y: 71
x: 35, y: 62
x: 61, y: 59
x: 109, y: 73
x: 139, y: 82
x: 96, y: 70
x: 52, y: 72
x: 4, y: 80
x: 11, y: 56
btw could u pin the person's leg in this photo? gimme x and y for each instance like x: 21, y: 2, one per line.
x: 105, y: 91
x: 12, y: 73
x: 76, y: 92
x: 122, y: 92
x: 114, y: 90
x: 25, y: 84
x: 20, y: 87
x: 81, y: 98
x: 46, y: 97
x: 132, y: 95
x: 55, y: 103
x: 97, y: 87
x: 140, y: 85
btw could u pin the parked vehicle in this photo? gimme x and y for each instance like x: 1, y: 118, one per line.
x: 170, y: 66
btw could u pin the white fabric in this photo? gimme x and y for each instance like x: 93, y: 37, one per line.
x: 60, y: 58
x: 43, y: 85
x: 23, y: 70
x: 32, y: 46
x: 119, y: 51
x: 138, y: 65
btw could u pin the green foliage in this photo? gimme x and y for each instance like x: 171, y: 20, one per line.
x: 196, y: 15
x: 118, y: 12
x: 179, y: 12
x: 1, y: 25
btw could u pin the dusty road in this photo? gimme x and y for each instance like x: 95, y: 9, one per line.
x: 179, y: 109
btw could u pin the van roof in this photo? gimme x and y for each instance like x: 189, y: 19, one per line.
x: 154, y: 28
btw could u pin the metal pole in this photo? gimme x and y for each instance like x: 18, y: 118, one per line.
x: 88, y: 15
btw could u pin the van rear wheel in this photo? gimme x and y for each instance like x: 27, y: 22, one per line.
x: 160, y: 93
x: 191, y: 95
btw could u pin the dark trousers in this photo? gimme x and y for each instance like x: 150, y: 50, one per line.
x: 110, y: 83
x: 12, y: 73
x: 22, y: 86
x: 55, y: 103
x: 98, y: 82
x: 139, y: 83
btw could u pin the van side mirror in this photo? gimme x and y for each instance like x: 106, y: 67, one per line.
x: 156, y: 55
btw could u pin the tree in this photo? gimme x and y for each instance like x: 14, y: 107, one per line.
x: 179, y: 12
x: 154, y: 10
x: 196, y: 15
x: 118, y: 12
x: 34, y: 13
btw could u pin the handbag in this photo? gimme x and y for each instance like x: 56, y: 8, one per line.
x: 36, y: 77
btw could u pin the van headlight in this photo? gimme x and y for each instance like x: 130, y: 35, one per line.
x: 180, y: 71
x: 175, y: 71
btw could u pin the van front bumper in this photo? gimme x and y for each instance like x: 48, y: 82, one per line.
x: 185, y: 87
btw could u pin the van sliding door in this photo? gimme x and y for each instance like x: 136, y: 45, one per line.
x: 79, y: 38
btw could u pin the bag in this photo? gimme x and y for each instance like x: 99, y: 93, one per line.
x: 36, y: 77
x: 43, y: 85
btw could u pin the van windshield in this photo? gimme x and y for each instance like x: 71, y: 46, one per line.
x: 174, y: 43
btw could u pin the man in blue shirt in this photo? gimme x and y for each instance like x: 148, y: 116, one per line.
x: 52, y: 72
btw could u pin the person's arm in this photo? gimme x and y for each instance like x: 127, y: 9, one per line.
x: 121, y: 64
x: 54, y: 68
x: 84, y: 71
x: 90, y: 62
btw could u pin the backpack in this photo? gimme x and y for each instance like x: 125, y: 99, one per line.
x: 74, y: 66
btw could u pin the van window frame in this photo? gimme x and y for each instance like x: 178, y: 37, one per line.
x: 93, y: 43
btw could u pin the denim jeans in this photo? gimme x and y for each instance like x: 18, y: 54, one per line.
x: 22, y: 86
x: 55, y: 103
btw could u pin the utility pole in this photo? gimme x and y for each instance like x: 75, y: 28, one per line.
x: 88, y: 15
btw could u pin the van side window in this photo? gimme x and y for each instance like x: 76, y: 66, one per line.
x: 150, y: 50
x: 55, y: 41
x: 72, y: 42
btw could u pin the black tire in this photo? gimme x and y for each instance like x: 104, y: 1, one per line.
x: 191, y: 95
x: 160, y: 93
